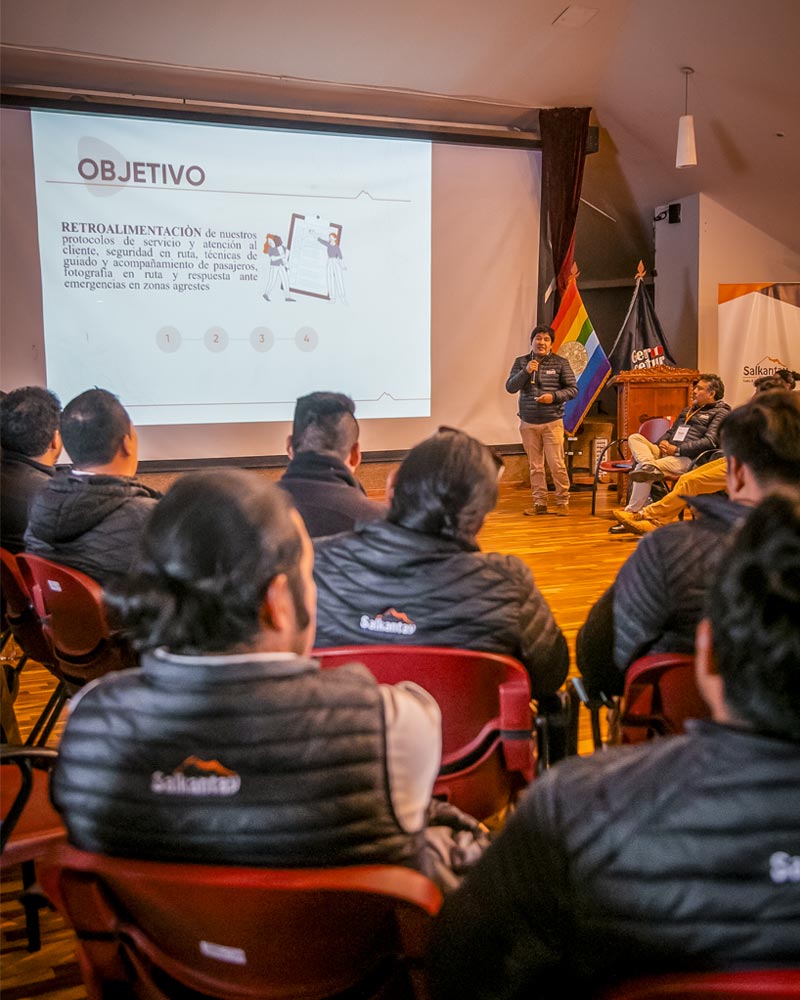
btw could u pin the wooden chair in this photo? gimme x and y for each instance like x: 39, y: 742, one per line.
x: 652, y: 429
x: 488, y: 750
x: 29, y: 823
x: 25, y: 627
x: 70, y: 607
x: 157, y: 930
x: 768, y: 984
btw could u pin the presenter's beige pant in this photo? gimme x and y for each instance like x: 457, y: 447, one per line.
x: 545, y: 442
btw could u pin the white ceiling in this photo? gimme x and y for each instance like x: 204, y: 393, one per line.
x: 625, y: 63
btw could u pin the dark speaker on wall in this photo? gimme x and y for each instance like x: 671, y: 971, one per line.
x: 674, y: 213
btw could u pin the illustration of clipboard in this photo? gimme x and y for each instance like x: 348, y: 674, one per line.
x: 307, y: 243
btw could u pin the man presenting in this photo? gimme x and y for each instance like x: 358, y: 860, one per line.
x: 544, y: 381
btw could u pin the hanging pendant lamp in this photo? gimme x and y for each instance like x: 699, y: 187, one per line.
x: 686, y: 155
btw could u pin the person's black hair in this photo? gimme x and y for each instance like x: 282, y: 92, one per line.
x: 764, y: 434
x: 29, y: 417
x: 325, y: 422
x: 714, y: 383
x: 93, y: 425
x: 445, y: 487
x: 208, y: 553
x: 766, y: 383
x: 754, y: 609
x: 543, y: 328
x: 788, y: 376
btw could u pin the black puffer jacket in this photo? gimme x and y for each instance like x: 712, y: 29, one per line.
x: 21, y: 478
x: 681, y: 854
x: 383, y: 583
x: 91, y: 523
x: 231, y: 760
x: 555, y: 375
x: 703, y: 433
x: 657, y: 599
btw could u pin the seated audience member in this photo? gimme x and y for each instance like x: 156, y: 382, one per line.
x: 324, y: 454
x: 657, y: 598
x: 91, y: 517
x: 236, y: 747
x: 696, y: 430
x: 707, y: 478
x: 31, y: 443
x: 419, y: 578
x: 678, y: 855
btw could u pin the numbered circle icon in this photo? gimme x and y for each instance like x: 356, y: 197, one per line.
x: 216, y: 339
x: 168, y: 339
x: 262, y: 339
x: 306, y: 338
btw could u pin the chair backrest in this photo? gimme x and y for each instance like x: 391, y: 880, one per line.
x: 240, y: 933
x: 488, y: 750
x: 29, y: 823
x: 70, y: 606
x: 20, y: 613
x: 769, y: 984
x: 654, y: 428
x: 660, y: 695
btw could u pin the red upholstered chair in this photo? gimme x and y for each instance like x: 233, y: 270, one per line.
x: 619, y: 464
x: 488, y: 750
x: 768, y: 984
x: 243, y: 933
x: 23, y: 625
x: 70, y: 606
x: 29, y: 823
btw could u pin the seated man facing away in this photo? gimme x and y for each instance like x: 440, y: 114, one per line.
x: 324, y: 454
x: 31, y: 443
x: 696, y: 430
x: 230, y: 745
x: 91, y: 518
x: 657, y: 598
x: 419, y: 578
x: 681, y: 854
x: 707, y: 478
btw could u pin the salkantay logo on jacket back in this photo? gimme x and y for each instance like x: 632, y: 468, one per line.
x: 196, y: 776
x: 390, y: 621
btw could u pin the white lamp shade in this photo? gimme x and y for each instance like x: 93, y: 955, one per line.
x: 686, y: 155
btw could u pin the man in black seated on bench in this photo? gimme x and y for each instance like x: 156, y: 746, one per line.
x: 678, y: 855
x: 230, y: 745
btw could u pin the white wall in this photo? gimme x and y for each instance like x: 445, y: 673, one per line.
x: 710, y: 246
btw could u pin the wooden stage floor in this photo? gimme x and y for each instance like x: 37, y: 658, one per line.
x: 573, y: 560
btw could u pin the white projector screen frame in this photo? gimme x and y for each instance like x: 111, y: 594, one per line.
x: 483, y: 265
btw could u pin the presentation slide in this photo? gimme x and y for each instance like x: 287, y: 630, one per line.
x: 214, y: 274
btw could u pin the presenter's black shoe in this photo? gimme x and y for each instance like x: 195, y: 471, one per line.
x: 619, y: 529
x: 646, y: 474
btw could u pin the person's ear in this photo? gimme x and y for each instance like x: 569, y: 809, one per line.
x: 737, y: 476
x: 391, y: 479
x: 354, y: 459
x: 706, y: 671
x: 289, y: 448
x: 277, y: 605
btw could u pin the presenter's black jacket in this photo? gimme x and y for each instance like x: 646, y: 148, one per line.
x: 327, y: 495
x: 91, y: 523
x: 703, y: 428
x: 383, y: 583
x: 555, y: 375
x: 21, y: 478
x: 659, y: 594
x: 679, y: 854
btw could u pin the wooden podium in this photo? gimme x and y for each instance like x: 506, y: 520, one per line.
x: 651, y: 392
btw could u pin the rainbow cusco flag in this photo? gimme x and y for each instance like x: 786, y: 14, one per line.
x: 577, y: 341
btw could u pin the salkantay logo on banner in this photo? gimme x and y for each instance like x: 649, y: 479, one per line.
x: 766, y: 366
x: 196, y: 776
x: 390, y: 621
